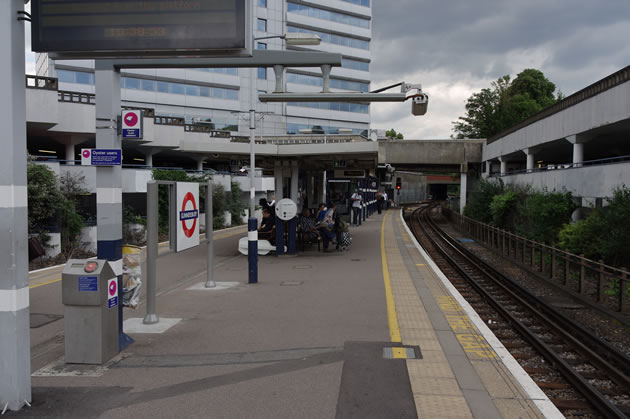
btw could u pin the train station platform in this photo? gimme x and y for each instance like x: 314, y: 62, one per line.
x: 372, y: 332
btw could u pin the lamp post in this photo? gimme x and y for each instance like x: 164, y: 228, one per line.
x: 252, y: 222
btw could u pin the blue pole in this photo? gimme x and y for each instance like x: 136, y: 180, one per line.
x: 292, y: 236
x: 279, y: 237
x: 252, y: 250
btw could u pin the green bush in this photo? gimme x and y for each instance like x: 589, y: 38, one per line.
x: 503, y: 208
x: 544, y: 214
x: 219, y: 206
x: 43, y: 199
x: 580, y: 238
x: 479, y: 200
x: 613, y: 224
x: 236, y: 204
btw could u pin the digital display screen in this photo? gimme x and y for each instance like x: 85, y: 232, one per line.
x: 144, y: 26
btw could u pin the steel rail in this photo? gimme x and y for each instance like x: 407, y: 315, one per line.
x: 593, y: 395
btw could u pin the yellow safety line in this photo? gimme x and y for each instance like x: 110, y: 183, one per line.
x: 45, y: 283
x: 59, y: 279
x: 392, y: 318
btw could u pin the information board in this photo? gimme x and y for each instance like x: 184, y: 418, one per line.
x: 139, y: 27
x: 101, y: 157
x: 187, y: 215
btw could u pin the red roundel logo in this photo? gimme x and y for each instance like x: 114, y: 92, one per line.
x: 112, y: 288
x: 86, y: 153
x: 189, y: 214
x: 131, y: 119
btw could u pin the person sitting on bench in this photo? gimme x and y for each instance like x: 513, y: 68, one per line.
x: 267, y: 226
x: 307, y: 227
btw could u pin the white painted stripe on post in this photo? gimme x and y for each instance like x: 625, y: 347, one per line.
x: 252, y: 192
x: 12, y: 196
x: 117, y: 266
x: 108, y: 196
x: 252, y: 236
x: 14, y: 300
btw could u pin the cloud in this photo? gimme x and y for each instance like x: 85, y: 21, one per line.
x: 458, y: 47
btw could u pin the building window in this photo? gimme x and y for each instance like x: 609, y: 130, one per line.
x: 261, y: 45
x: 317, y: 13
x: 330, y: 38
x: 333, y: 106
x: 261, y: 25
x: 365, y: 3
x: 262, y: 3
x: 334, y: 83
x: 262, y: 73
x: 355, y: 64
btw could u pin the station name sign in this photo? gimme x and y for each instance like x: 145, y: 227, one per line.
x: 138, y: 27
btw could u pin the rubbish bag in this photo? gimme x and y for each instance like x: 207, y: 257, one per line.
x: 133, y: 257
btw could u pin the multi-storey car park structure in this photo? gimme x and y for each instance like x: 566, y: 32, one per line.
x: 209, y: 97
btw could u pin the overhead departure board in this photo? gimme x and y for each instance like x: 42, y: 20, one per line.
x: 139, y: 27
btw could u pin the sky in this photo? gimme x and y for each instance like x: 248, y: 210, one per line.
x: 455, y: 48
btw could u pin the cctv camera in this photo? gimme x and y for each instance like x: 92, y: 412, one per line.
x: 419, y: 105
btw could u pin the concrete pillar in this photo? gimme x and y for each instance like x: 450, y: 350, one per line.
x: 69, y: 144
x: 324, y: 183
x: 503, y: 166
x: 200, y: 165
x: 310, y: 187
x: 295, y: 172
x: 279, y: 179
x: 530, y: 159
x: 148, y: 159
x: 69, y: 154
x: 109, y: 178
x: 15, y: 352
x: 463, y: 187
x: 578, y: 154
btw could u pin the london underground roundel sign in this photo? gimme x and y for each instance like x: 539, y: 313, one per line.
x: 187, y: 214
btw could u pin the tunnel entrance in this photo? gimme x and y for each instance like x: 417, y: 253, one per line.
x: 438, y: 192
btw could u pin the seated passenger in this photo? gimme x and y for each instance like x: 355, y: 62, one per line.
x: 327, y: 227
x: 321, y: 212
x: 307, y: 226
x: 267, y: 226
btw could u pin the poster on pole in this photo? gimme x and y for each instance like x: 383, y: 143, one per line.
x: 187, y: 215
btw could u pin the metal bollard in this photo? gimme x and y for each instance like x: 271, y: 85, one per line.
x: 210, y: 237
x: 252, y: 250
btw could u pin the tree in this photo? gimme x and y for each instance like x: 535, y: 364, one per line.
x: 71, y: 187
x: 43, y: 199
x: 505, y: 104
x: 393, y: 134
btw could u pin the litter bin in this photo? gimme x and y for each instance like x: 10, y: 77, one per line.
x: 90, y: 299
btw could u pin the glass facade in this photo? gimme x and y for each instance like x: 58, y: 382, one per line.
x: 84, y: 77
x: 354, y: 86
x: 327, y: 15
x: 333, y: 106
x: 329, y: 38
x: 355, y: 64
x: 318, y: 129
x: 261, y: 25
x: 365, y: 3
x: 229, y: 70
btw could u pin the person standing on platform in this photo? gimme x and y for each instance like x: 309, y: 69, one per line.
x: 356, y: 199
x: 379, y: 201
x: 385, y: 200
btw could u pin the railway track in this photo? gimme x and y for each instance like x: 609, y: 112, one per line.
x: 579, y: 372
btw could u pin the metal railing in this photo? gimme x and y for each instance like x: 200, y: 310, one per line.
x: 76, y: 97
x: 615, y: 79
x: 600, y: 283
x: 564, y: 166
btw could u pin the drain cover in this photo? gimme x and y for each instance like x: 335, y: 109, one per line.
x: 291, y: 283
x: 404, y: 352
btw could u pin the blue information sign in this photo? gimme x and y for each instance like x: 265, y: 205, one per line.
x: 101, y: 157
x: 88, y: 283
x: 112, y: 302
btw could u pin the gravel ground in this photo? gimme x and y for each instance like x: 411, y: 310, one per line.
x: 600, y: 324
